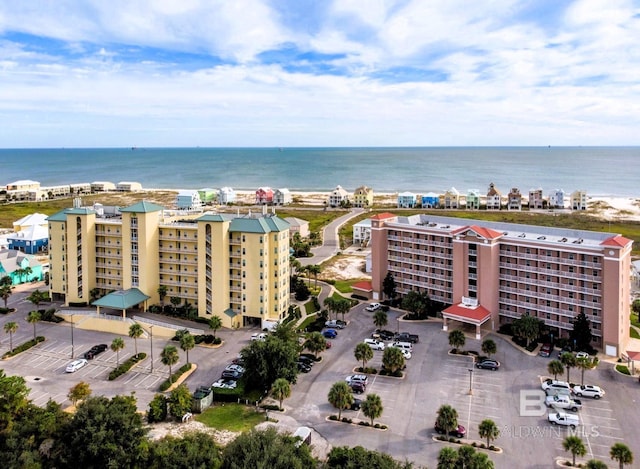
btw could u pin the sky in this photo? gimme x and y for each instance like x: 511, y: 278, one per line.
x: 323, y: 73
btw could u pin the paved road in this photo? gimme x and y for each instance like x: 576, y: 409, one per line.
x: 330, y: 240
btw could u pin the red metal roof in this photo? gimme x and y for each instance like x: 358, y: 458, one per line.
x: 619, y: 241
x: 364, y: 285
x: 477, y: 314
x: 486, y: 233
x: 383, y: 216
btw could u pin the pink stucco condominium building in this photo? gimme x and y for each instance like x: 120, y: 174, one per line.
x: 490, y: 273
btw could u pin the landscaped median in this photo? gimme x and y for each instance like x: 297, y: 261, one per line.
x: 127, y: 365
x: 362, y: 423
x: 178, y: 377
x: 22, y: 347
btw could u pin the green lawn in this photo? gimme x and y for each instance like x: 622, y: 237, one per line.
x: 633, y: 333
x: 232, y: 417
x: 309, y: 307
x: 307, y: 321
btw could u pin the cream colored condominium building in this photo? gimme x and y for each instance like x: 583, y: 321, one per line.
x: 234, y: 267
x: 489, y: 273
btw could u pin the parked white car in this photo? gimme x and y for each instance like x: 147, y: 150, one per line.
x: 374, y: 344
x: 373, y: 307
x: 357, y: 379
x: 563, y: 418
x: 563, y: 402
x: 76, y: 365
x: 588, y: 391
x: 335, y: 323
x: 553, y: 384
x: 259, y: 336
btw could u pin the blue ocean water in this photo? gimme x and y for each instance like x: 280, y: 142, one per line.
x: 601, y: 171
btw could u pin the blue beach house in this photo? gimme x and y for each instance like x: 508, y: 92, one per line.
x: 188, y: 200
x: 430, y: 200
x: 406, y: 200
x: 21, y: 267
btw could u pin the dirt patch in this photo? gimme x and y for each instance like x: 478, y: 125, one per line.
x: 158, y: 431
x: 348, y: 266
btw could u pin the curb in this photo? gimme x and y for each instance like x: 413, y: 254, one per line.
x: 182, y: 378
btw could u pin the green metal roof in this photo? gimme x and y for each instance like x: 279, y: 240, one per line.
x: 58, y: 216
x: 258, y: 225
x: 80, y: 211
x: 215, y: 217
x: 230, y: 312
x: 121, y: 299
x: 143, y: 207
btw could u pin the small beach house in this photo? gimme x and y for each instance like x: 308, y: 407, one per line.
x: 494, y: 198
x: 299, y: 226
x: 282, y: 197
x: 579, y: 200
x: 363, y: 197
x: 514, y: 199
x: 337, y: 197
x: 430, y: 200
x: 451, y: 199
x: 473, y: 199
x: 188, y: 200
x: 556, y: 199
x: 21, y: 267
x: 264, y: 196
x: 226, y: 195
x: 536, y: 199
x: 406, y: 200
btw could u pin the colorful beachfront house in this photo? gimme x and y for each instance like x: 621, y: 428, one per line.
x: 297, y: 226
x: 362, y: 232
x: 451, y: 199
x: 207, y: 195
x: 226, y: 195
x: 30, y: 240
x: 363, y: 197
x: 102, y: 186
x: 188, y: 200
x: 494, y: 198
x: 473, y: 199
x: 21, y: 267
x: 338, y: 197
x: 579, y: 200
x: 282, y: 197
x: 556, y: 199
x: 128, y: 186
x: 406, y: 200
x: 430, y: 200
x: 536, y: 199
x: 514, y: 199
x: 264, y: 196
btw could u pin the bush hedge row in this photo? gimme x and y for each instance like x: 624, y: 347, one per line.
x: 174, y: 377
x: 23, y: 347
x: 126, y: 366
x: 7, y: 310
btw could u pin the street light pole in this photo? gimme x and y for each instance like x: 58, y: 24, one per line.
x: 72, y: 336
x: 470, y: 381
x: 151, y: 339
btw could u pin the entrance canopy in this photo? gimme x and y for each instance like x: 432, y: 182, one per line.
x: 477, y: 315
x: 121, y: 299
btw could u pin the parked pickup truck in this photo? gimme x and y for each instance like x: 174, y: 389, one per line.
x: 563, y: 402
x: 561, y: 418
x: 406, y: 337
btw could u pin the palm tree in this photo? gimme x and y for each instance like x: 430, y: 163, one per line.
x: 372, y: 407
x: 392, y: 359
x: 595, y: 464
x: 343, y: 305
x: 314, y: 270
x: 363, y: 353
x: 20, y: 273
x: 215, y: 323
x: 315, y: 343
x: 555, y: 367
x: 586, y: 363
x: 162, y: 293
x: 27, y: 271
x: 116, y: 345
x: 340, y: 396
x: 527, y: 327
x: 621, y: 453
x: 447, y: 458
x: 5, y: 292
x: 330, y: 304
x: 32, y: 318
x: 10, y: 328
x: 380, y: 319
x: 569, y: 360
x: 489, y: 347
x: 37, y: 297
x: 457, y: 339
x: 489, y: 430
x: 169, y: 357
x: 447, y: 418
x: 187, y: 342
x: 280, y: 390
x: 135, y: 331
x: 575, y: 446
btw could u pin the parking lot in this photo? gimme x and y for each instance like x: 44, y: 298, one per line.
x: 434, y: 377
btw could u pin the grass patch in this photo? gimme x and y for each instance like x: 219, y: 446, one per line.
x: 311, y: 319
x: 634, y: 333
x: 231, y: 417
x: 624, y: 369
x: 634, y: 320
x: 174, y: 377
x: 309, y: 307
x: 344, y: 286
x: 22, y: 347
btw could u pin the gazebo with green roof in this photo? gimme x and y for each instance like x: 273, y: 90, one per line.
x: 122, y: 300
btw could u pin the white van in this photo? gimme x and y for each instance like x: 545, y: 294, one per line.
x: 403, y: 345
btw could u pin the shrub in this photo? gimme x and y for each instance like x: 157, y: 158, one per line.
x: 6, y: 310
x: 345, y: 419
x: 174, y: 377
x: 333, y: 417
x: 270, y: 407
x: 483, y: 446
x: 452, y: 440
x: 474, y: 444
x: 442, y: 438
x: 50, y: 316
x: 126, y: 366
x: 377, y: 425
x: 22, y: 347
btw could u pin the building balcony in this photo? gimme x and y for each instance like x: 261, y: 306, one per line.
x: 114, y: 245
